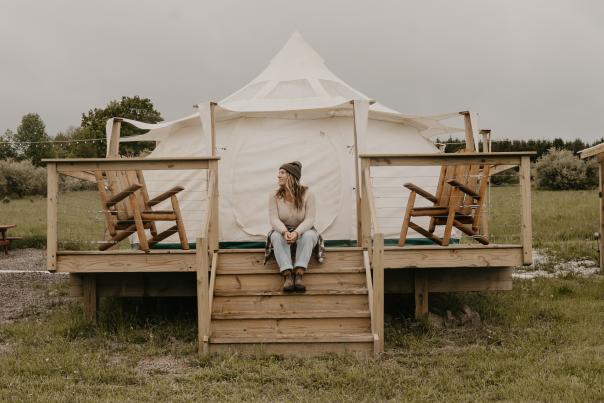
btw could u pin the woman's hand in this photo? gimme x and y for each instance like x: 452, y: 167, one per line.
x: 293, y: 237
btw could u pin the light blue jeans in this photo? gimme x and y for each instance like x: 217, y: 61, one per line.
x: 304, y: 246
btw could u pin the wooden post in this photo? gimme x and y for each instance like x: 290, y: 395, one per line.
x: 203, y: 298
x: 360, y: 116
x: 526, y: 228
x: 484, y: 220
x: 214, y: 235
x: 421, y: 293
x: 89, y: 297
x: 113, y: 148
x: 52, y: 216
x: 213, y: 128
x: 365, y: 216
x: 378, y: 288
x: 601, y: 240
x: 470, y: 130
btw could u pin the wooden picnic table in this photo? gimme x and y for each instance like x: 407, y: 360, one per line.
x: 6, y: 240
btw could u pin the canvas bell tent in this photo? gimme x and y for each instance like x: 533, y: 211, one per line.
x: 296, y: 109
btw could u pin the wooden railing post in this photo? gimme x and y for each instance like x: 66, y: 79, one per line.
x: 113, y: 148
x: 213, y: 204
x: 526, y: 228
x: 203, y: 297
x: 364, y: 206
x: 486, y: 212
x: 360, y: 117
x: 52, y: 216
x: 378, y: 288
x: 601, y: 226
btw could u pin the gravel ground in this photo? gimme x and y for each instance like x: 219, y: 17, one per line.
x: 23, y: 294
x: 23, y: 259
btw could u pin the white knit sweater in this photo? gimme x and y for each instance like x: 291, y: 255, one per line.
x: 283, y: 214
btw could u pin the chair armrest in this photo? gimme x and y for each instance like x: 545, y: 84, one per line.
x: 122, y: 195
x: 463, y: 188
x: 423, y: 193
x: 160, y: 198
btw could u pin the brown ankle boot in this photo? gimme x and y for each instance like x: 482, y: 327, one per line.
x: 288, y: 281
x: 298, y: 284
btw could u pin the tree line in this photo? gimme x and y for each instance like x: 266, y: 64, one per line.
x: 31, y: 142
x: 540, y: 146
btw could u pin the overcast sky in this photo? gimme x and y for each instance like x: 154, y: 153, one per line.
x: 531, y: 69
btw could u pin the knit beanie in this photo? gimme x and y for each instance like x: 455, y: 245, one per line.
x: 294, y: 168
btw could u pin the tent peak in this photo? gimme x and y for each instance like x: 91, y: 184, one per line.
x: 296, y: 78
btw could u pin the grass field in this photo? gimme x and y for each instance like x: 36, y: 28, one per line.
x: 540, y: 342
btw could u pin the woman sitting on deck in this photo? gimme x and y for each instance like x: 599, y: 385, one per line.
x: 292, y: 216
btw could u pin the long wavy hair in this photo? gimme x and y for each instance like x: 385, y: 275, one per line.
x: 294, y: 187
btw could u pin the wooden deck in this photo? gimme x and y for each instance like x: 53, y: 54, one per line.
x: 240, y: 305
x: 248, y: 312
x: 409, y: 257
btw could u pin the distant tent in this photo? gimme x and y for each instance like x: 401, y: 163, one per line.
x: 296, y: 109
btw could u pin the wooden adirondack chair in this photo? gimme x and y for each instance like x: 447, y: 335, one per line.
x: 458, y: 202
x: 128, y: 209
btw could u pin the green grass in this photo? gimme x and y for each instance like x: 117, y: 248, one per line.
x: 564, y: 222
x: 540, y: 342
x: 81, y: 224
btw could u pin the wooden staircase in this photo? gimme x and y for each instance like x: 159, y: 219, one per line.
x: 250, y: 313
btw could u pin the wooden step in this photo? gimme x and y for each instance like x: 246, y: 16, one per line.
x: 289, y: 338
x: 273, y: 269
x: 268, y: 327
x: 237, y: 293
x: 303, y: 314
x: 290, y: 303
x: 361, y: 349
x: 274, y: 282
x: 242, y: 260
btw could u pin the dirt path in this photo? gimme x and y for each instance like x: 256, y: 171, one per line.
x: 31, y: 289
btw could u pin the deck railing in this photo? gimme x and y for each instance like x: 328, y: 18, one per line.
x: 371, y: 237
x: 206, y: 242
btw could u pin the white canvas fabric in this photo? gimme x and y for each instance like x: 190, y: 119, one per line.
x: 296, y: 109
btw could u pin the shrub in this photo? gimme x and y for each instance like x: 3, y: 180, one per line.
x: 561, y: 170
x: 20, y: 178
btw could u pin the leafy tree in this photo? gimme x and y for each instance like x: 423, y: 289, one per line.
x: 135, y: 108
x: 75, y: 149
x: 7, y: 148
x: 32, y: 136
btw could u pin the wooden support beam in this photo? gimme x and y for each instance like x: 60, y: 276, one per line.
x: 124, y: 164
x: 592, y: 151
x: 439, y: 159
x: 360, y: 114
x: 421, y: 280
x: 52, y: 216
x: 485, y: 213
x: 470, y: 127
x: 214, y: 205
x: 378, y: 288
x: 526, y: 227
x: 203, y: 298
x: 126, y: 261
x: 365, y: 216
x: 601, y: 227
x: 113, y: 148
x: 89, y: 297
x: 478, y: 256
x: 213, y: 126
